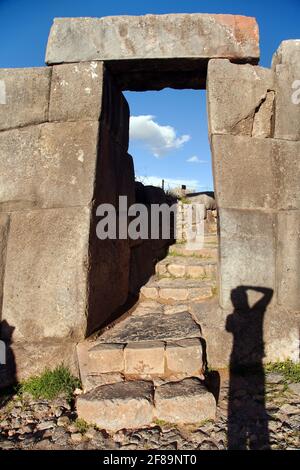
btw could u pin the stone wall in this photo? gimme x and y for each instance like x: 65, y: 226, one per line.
x: 63, y: 150
x: 255, y: 141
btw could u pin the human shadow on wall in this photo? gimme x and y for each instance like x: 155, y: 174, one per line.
x: 247, y: 415
x: 8, y: 375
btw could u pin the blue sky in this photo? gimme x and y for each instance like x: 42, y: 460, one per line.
x: 24, y: 28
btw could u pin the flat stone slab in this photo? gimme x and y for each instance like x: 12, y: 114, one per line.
x: 117, y: 406
x: 184, y: 266
x: 152, y: 327
x: 184, y: 402
x: 180, y: 289
x: 155, y: 51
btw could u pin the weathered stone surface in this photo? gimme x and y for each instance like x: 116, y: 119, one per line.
x: 207, y: 252
x: 288, y: 53
x: 288, y: 259
x: 263, y: 123
x: 4, y: 226
x: 118, y: 406
x: 184, y: 402
x: 50, y: 165
x: 148, y: 306
x: 286, y: 65
x: 149, y: 292
x: 218, y: 342
x: 176, y: 270
x: 236, y: 95
x: 286, y: 164
x: 26, y: 359
x: 184, y: 266
x: 254, y: 179
x: 152, y: 327
x: 281, y: 335
x: 145, y: 358
x: 107, y: 358
x: 177, y: 308
x: 155, y: 38
x: 268, y: 178
x: 91, y: 366
x: 295, y: 388
x: 176, y: 289
x: 76, y: 92
x: 46, y: 273
x: 185, y: 357
x: 247, y: 247
x: 25, y: 97
x: 92, y: 381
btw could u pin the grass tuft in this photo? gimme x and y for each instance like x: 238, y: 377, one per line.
x: 288, y: 369
x: 50, y: 384
x: 81, y: 425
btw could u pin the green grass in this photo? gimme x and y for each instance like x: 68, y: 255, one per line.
x: 288, y: 369
x: 50, y: 384
x: 81, y: 425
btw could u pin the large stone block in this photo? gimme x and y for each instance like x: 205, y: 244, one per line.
x: 287, y: 103
x: 185, y: 357
x: 50, y: 165
x: 286, y: 65
x: 26, y: 359
x: 45, y: 288
x: 118, y: 406
x: 185, y: 402
x: 143, y: 50
x: 76, y: 92
x: 247, y: 251
x: 288, y: 259
x: 236, y: 94
x: 244, y: 172
x: 287, y: 169
x: 288, y: 53
x: 24, y: 96
x: 86, y: 91
x: 145, y: 358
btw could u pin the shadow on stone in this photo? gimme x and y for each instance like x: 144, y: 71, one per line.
x: 247, y: 415
x: 8, y: 369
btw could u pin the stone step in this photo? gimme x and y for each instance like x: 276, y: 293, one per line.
x: 135, y: 404
x: 184, y: 266
x: 207, y: 252
x: 174, y: 290
x: 144, y: 345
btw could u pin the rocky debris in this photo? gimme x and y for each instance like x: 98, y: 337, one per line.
x: 19, y: 420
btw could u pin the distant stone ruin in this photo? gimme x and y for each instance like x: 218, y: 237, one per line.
x: 64, y: 151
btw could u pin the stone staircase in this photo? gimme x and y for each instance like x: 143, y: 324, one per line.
x: 149, y: 365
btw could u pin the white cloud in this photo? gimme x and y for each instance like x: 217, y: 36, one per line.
x: 196, y: 159
x: 159, y: 139
x: 169, y: 182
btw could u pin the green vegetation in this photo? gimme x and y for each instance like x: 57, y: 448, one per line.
x: 50, y: 384
x: 81, y: 425
x: 288, y: 369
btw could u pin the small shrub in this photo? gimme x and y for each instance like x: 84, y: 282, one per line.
x: 50, y: 384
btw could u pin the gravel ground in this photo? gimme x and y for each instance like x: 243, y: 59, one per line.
x: 258, y: 419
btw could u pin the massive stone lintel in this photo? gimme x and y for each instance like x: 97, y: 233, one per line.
x: 155, y: 51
